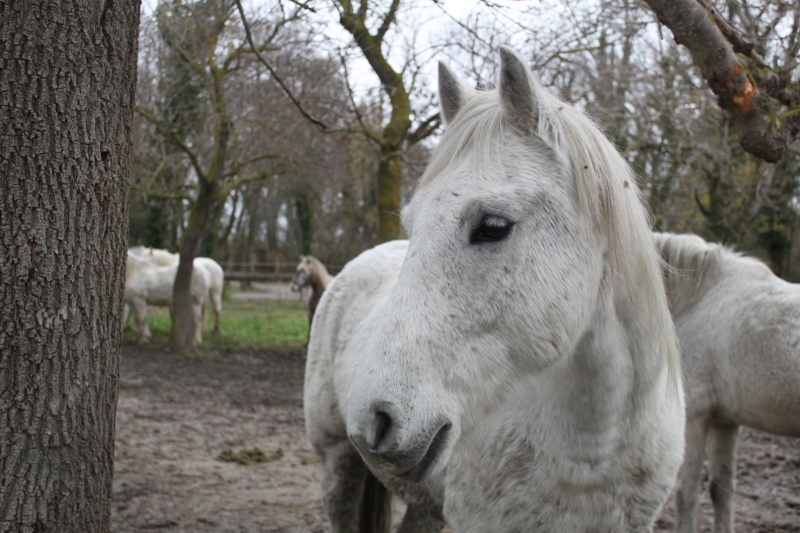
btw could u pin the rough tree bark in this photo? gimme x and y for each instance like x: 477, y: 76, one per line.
x: 67, y: 82
x: 764, y: 107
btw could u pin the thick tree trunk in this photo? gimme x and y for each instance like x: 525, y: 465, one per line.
x: 67, y: 81
x: 390, y: 173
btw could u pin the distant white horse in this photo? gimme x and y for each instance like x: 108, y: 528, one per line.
x: 739, y: 330
x: 310, y: 278
x: 216, y: 275
x: 147, y: 283
x: 515, y: 360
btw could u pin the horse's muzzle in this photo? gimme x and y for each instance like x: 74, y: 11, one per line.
x: 381, y: 441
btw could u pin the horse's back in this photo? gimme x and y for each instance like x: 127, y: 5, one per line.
x: 213, y: 268
x: 741, y: 350
x: 339, y: 331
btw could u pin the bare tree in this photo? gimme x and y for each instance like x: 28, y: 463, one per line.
x: 396, y: 134
x: 68, y: 77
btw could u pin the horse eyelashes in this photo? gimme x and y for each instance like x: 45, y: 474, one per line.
x: 491, y: 228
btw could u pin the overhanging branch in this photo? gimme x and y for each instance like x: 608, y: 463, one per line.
x: 755, y: 115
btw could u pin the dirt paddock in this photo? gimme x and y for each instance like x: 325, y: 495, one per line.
x: 217, y: 444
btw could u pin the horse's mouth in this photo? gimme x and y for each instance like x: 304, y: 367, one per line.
x: 420, y: 470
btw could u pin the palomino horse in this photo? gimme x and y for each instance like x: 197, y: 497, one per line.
x: 515, y: 361
x: 146, y: 283
x: 310, y: 278
x: 739, y: 330
x: 216, y: 276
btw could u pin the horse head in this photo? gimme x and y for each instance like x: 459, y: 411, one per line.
x: 302, y: 274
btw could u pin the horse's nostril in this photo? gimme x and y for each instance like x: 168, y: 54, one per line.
x: 382, y: 426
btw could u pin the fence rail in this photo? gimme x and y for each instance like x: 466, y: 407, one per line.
x: 265, y: 272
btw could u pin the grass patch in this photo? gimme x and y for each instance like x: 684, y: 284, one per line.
x: 244, y: 325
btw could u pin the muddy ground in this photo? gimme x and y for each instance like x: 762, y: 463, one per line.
x: 178, y: 417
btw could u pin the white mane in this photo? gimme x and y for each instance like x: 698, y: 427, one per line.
x: 692, y: 263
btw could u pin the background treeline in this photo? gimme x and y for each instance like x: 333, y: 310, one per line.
x: 270, y: 145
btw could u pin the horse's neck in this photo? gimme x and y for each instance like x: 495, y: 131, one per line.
x: 604, y: 388
x: 318, y: 285
x: 322, y: 276
x: 688, y: 285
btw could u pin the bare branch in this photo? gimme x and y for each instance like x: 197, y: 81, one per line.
x: 425, y: 129
x: 240, y: 165
x: 164, y: 195
x: 303, y: 5
x: 366, y: 130
x: 321, y: 125
x: 740, y: 43
x: 170, y: 135
x: 388, y: 20
x: 233, y: 184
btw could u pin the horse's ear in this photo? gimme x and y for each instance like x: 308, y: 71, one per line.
x: 452, y: 93
x: 524, y: 99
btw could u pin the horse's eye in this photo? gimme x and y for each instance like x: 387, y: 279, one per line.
x: 491, y: 229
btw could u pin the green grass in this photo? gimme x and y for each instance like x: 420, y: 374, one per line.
x: 244, y: 325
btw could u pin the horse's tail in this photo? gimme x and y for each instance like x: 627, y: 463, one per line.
x: 376, y: 507
x: 216, y: 300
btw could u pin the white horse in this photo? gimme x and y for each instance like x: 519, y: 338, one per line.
x: 515, y: 360
x: 310, y: 278
x: 147, y: 283
x: 216, y: 275
x: 739, y: 330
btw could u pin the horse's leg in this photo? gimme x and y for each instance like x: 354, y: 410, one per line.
x: 140, y: 315
x: 126, y: 314
x: 688, y: 486
x: 422, y: 518
x: 344, y: 482
x: 198, y: 314
x: 722, y: 464
x: 216, y: 298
